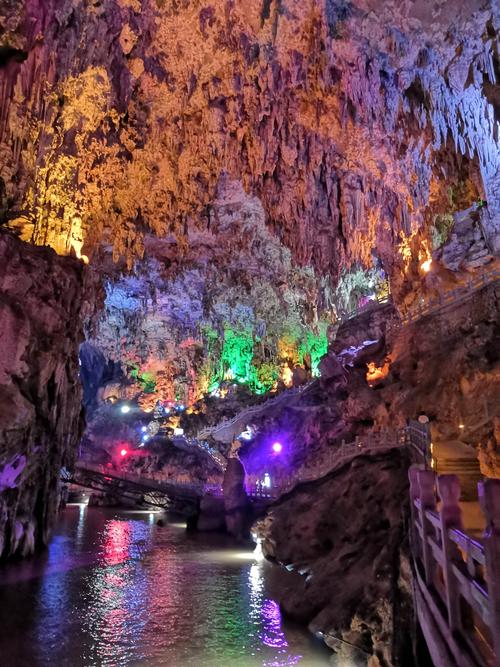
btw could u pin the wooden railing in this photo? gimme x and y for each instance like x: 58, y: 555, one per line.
x: 457, y: 576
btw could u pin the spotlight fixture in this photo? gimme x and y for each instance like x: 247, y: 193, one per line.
x: 125, y: 409
x: 277, y: 447
x: 426, y: 266
x: 123, y: 452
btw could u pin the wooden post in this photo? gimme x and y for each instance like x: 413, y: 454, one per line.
x: 489, y: 497
x: 426, y: 480
x: 451, y: 517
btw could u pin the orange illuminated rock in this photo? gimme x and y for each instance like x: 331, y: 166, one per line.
x: 376, y: 373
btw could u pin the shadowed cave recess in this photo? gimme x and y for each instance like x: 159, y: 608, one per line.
x: 235, y: 238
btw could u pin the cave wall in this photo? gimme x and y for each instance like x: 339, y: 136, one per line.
x: 44, y: 301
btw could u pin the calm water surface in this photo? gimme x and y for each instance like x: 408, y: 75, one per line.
x: 115, y: 589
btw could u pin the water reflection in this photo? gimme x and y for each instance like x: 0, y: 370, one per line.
x: 114, y: 589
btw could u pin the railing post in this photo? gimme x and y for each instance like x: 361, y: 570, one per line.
x: 426, y: 480
x: 489, y: 497
x: 414, y: 495
x: 451, y: 517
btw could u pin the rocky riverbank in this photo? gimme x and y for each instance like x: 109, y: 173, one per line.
x: 347, y: 535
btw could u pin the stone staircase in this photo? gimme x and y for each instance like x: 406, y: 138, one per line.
x: 456, y: 458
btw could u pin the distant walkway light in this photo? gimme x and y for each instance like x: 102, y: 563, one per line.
x: 277, y: 447
x: 247, y: 434
x: 125, y: 409
x: 123, y: 452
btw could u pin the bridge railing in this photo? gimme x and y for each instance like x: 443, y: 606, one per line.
x: 170, y: 486
x: 457, y: 575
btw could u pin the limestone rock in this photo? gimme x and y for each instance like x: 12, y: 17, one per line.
x: 45, y: 301
x: 236, y: 504
x: 351, y: 588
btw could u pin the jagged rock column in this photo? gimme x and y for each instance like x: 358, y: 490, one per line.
x: 44, y: 301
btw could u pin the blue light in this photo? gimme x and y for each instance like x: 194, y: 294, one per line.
x: 144, y: 429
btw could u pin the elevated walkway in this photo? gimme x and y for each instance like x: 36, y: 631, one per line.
x: 166, y: 495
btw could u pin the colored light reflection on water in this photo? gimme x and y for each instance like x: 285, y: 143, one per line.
x: 115, y: 589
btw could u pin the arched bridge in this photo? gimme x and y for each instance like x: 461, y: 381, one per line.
x: 176, y: 495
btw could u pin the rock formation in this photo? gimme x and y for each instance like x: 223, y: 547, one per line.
x: 45, y: 301
x: 239, y: 177
x: 346, y: 536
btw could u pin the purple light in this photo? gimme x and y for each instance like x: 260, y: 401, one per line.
x: 277, y: 447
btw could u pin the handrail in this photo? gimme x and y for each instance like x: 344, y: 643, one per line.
x: 253, y: 410
x: 360, y: 310
x: 457, y: 295
x: 454, y: 571
x: 336, y: 458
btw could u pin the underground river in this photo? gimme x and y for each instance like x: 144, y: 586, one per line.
x: 116, y: 589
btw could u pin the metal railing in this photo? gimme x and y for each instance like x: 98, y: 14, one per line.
x: 428, y: 306
x: 122, y: 484
x: 415, y: 436
x: 205, y: 447
x: 248, y: 413
x: 373, y: 304
x: 453, y: 297
x: 457, y: 576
